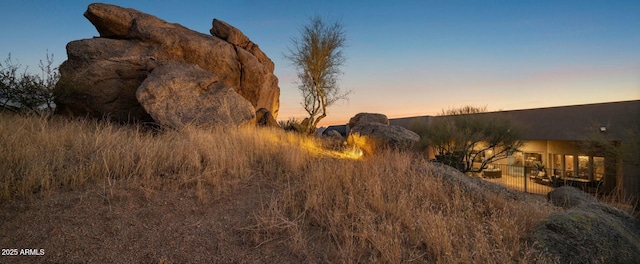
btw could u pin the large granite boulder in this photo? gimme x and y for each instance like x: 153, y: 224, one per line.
x: 101, y: 76
x: 589, y: 233
x: 368, y: 117
x: 177, y: 94
x: 98, y: 87
x: 374, y: 135
x: 586, y: 231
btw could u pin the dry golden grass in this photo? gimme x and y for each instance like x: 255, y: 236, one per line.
x: 392, y: 207
x: 40, y: 156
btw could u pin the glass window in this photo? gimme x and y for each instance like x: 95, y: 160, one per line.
x: 583, y: 167
x: 569, y: 166
x: 557, y: 165
x: 598, y: 168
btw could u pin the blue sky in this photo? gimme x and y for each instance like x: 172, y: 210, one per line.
x: 404, y: 58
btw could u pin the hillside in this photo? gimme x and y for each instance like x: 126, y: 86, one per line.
x: 86, y: 191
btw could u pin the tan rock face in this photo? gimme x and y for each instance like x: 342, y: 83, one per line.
x: 265, y: 118
x: 102, y: 75
x: 100, y: 79
x: 371, y: 132
x: 368, y: 117
x: 177, y: 94
x: 382, y: 135
x: 234, y: 36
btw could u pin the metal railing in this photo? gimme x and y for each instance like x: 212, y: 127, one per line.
x: 521, y: 178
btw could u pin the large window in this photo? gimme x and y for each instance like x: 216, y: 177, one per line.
x: 583, y: 167
x: 598, y: 168
x: 578, y: 166
x: 557, y: 165
x: 569, y: 166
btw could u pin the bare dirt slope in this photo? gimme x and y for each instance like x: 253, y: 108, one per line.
x: 103, y: 225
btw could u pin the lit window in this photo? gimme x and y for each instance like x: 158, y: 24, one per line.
x: 557, y: 165
x: 598, y: 168
x: 569, y: 166
x: 583, y: 167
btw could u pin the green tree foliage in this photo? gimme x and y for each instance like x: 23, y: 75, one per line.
x: 462, y: 136
x: 318, y: 56
x: 22, y: 91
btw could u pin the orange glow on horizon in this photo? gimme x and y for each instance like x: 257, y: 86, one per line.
x: 338, y: 117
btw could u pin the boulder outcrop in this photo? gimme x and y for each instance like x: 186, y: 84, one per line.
x: 567, y: 197
x: 333, y: 134
x: 368, y: 117
x: 391, y: 136
x: 587, y: 231
x: 265, y: 118
x: 372, y: 131
x: 101, y: 76
x: 176, y: 94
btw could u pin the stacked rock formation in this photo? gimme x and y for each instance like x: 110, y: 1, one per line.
x: 104, y: 76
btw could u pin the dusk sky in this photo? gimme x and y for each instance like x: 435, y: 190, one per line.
x: 404, y: 58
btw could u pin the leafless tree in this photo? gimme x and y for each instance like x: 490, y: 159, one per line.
x: 26, y: 91
x: 318, y: 55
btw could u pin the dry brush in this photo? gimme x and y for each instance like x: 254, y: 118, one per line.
x: 391, y: 207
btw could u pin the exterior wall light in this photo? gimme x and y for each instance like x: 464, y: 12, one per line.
x: 603, y: 129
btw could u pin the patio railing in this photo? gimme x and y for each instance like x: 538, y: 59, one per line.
x: 530, y: 180
x: 521, y: 178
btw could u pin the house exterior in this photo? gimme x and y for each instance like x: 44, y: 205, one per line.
x: 554, y: 137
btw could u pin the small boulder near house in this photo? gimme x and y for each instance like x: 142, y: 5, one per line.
x: 372, y: 131
x: 368, y: 117
x: 102, y: 75
x: 568, y: 197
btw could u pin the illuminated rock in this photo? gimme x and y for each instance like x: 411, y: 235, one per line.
x: 377, y: 135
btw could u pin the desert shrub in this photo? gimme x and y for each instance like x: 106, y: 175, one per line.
x: 23, y: 91
x: 292, y: 124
